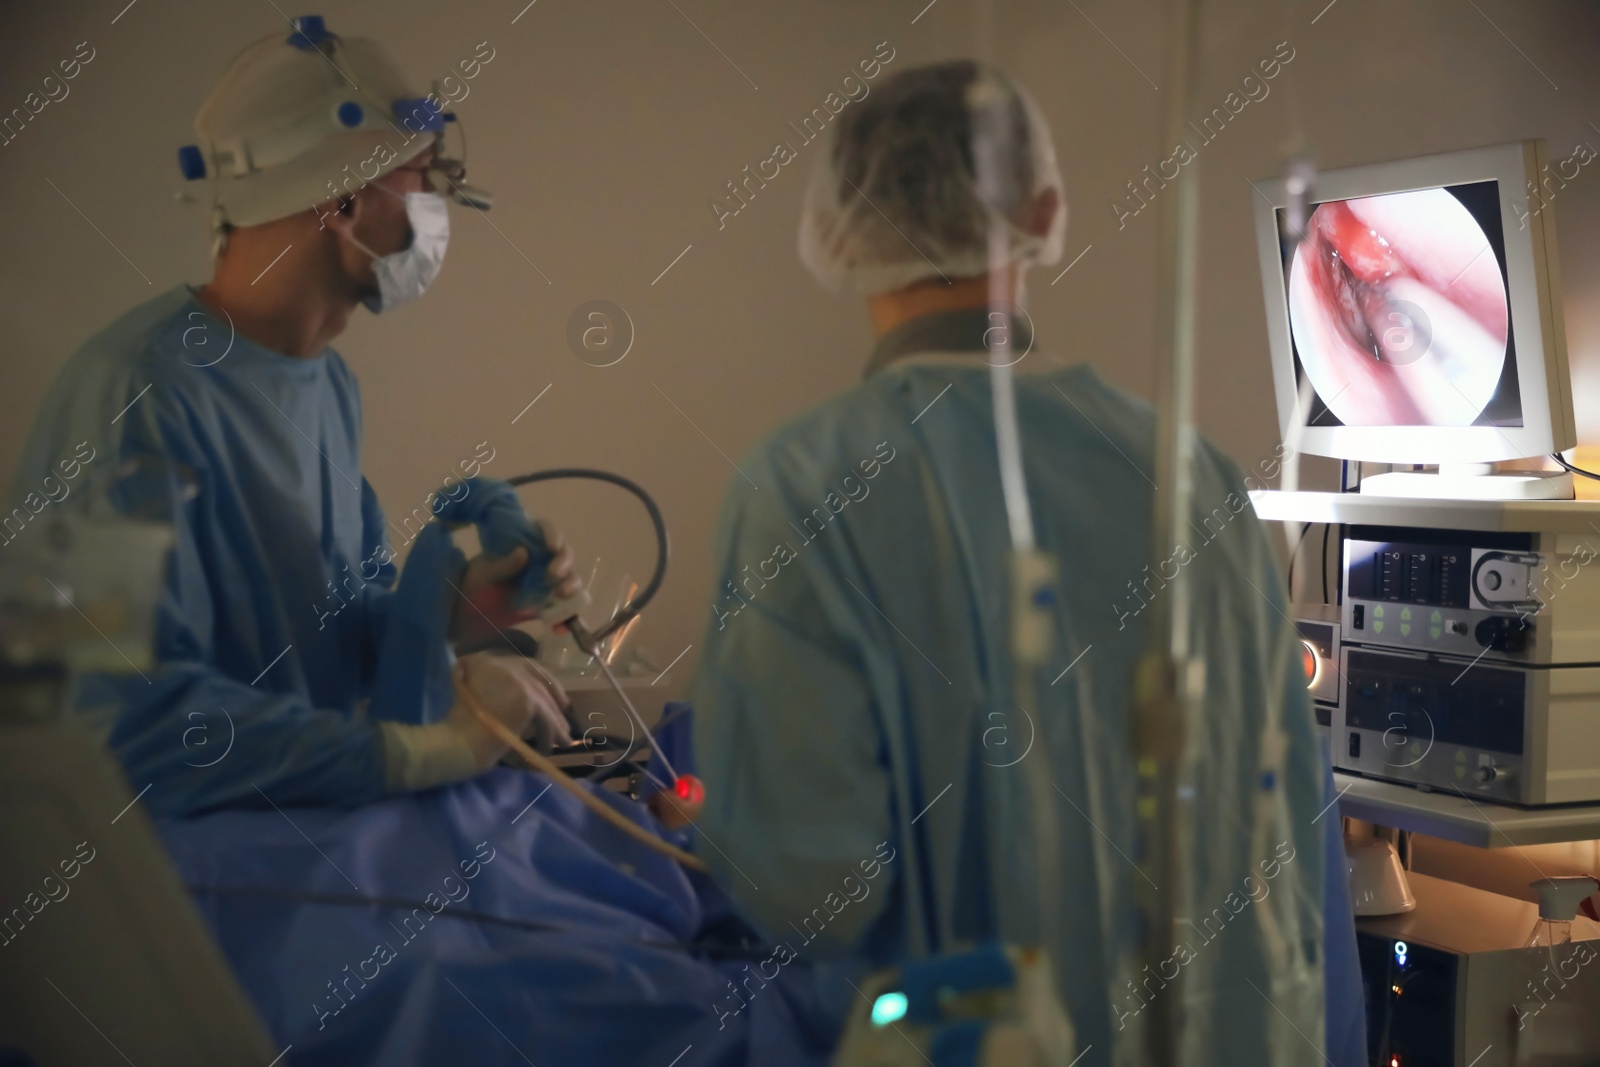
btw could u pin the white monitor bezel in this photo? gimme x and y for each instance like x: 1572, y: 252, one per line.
x: 1537, y: 327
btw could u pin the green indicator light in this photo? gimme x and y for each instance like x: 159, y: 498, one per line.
x: 1377, y: 611
x: 888, y: 1008
x: 1405, y: 614
x: 1405, y: 629
x: 1377, y: 627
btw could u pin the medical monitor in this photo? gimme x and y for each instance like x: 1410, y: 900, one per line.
x: 1418, y: 318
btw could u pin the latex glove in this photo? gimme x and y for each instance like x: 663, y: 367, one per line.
x: 511, y: 689
x: 549, y: 726
x: 484, y: 605
x: 518, y: 693
x: 563, y: 574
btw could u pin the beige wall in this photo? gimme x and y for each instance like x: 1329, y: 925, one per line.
x: 604, y: 128
x: 1509, y: 871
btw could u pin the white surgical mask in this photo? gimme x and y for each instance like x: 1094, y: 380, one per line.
x: 403, y: 276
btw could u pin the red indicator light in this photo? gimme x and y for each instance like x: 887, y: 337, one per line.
x: 689, y: 788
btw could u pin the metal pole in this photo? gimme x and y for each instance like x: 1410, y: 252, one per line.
x: 1164, y: 679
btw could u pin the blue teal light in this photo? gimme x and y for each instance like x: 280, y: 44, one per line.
x: 888, y: 1008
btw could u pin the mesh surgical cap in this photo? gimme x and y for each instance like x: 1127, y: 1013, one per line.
x: 895, y: 197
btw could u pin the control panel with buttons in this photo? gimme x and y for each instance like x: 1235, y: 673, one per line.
x: 1439, y: 723
x: 1470, y: 660
x: 1452, y: 592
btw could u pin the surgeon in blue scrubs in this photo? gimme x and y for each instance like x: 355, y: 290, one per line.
x: 224, y: 411
x: 858, y: 733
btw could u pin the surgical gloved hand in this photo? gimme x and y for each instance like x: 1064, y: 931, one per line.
x: 514, y: 690
x: 518, y: 693
x: 551, y: 727
x: 487, y: 586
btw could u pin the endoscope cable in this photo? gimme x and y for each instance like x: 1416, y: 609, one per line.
x: 635, y: 604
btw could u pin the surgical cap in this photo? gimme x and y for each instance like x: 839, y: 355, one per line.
x: 895, y: 197
x: 301, y: 118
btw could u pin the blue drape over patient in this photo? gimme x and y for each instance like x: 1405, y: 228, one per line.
x: 494, y: 922
x: 279, y: 586
x: 855, y: 701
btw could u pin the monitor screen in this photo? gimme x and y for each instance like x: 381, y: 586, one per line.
x: 1399, y: 313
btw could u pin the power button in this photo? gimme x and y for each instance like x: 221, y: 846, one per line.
x: 1358, y: 617
x: 1355, y: 745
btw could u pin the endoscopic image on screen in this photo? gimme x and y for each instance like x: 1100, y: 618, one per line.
x: 1398, y: 310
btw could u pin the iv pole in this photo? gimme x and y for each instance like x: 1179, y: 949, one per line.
x: 1168, y: 677
x: 1034, y: 574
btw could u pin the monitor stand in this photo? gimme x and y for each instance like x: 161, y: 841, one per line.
x: 1470, y: 481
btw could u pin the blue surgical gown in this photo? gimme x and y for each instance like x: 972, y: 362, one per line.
x: 860, y: 739
x: 276, y: 594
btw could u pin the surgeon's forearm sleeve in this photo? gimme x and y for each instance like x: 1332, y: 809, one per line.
x: 421, y: 757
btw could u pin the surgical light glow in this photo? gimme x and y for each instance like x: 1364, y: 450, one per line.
x: 888, y: 1008
x: 1311, y: 663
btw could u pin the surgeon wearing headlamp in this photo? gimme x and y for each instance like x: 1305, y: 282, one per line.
x: 326, y: 192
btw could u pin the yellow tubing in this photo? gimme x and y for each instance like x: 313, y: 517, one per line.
x: 558, y: 777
